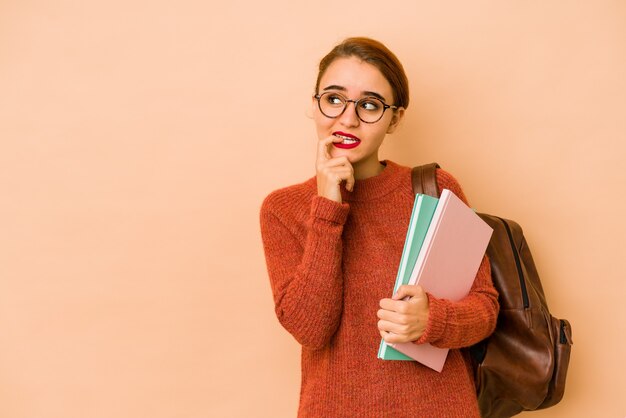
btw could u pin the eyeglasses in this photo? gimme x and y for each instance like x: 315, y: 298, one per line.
x: 368, y: 109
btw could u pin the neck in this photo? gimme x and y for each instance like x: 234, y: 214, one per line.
x: 367, y: 169
x: 378, y: 185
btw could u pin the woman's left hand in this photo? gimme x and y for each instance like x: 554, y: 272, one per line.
x: 401, y: 321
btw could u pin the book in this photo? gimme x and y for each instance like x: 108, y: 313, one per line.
x: 446, y: 266
x: 421, y: 215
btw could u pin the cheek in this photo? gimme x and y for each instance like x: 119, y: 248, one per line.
x: 379, y: 134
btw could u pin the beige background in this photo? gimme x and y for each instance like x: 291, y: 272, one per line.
x: 138, y: 139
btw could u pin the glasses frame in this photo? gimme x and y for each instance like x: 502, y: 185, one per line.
x: 356, y: 103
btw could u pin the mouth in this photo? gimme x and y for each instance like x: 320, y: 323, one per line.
x: 348, y: 140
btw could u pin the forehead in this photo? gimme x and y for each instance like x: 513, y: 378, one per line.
x: 356, y: 76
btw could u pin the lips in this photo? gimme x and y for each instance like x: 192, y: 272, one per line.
x: 349, y: 141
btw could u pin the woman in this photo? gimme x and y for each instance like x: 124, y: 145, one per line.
x: 333, y: 246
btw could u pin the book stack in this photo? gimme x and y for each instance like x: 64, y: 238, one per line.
x: 445, y: 243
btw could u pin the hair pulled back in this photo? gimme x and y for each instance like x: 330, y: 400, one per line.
x: 376, y: 54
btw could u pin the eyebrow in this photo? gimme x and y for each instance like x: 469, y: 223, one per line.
x: 364, y: 93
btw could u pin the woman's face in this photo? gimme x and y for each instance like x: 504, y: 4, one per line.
x: 355, y: 79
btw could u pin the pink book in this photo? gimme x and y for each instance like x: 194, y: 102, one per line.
x: 447, y: 264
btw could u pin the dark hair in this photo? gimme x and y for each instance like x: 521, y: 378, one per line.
x: 377, y: 54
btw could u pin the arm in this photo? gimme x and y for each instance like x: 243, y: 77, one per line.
x: 462, y: 323
x: 426, y: 319
x: 305, y: 269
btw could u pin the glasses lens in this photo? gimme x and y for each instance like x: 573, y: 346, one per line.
x: 370, y: 109
x: 332, y: 104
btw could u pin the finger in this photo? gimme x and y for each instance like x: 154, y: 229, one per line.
x: 338, y: 162
x: 391, y: 328
x: 336, y: 174
x: 384, y: 334
x: 391, y: 316
x: 350, y: 179
x: 408, y: 290
x: 392, y: 338
x: 387, y: 326
x: 322, y: 150
x: 323, y: 147
x: 347, y: 173
x: 398, y: 306
x: 330, y: 168
x: 350, y: 183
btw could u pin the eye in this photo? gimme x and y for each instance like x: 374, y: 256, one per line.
x: 370, y: 105
x: 334, y: 99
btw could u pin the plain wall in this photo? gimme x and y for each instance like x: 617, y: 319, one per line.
x: 138, y: 139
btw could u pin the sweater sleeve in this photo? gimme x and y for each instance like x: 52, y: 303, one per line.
x: 305, y: 268
x: 473, y: 318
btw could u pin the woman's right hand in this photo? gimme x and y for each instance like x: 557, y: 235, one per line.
x: 331, y: 172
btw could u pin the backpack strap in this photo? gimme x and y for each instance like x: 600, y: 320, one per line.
x: 424, y: 179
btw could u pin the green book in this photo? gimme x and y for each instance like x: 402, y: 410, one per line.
x: 423, y: 210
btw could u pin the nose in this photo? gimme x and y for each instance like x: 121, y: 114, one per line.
x: 349, y: 116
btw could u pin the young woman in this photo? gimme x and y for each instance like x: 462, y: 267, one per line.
x: 333, y: 246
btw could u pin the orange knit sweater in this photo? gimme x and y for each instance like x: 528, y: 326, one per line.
x: 329, y: 265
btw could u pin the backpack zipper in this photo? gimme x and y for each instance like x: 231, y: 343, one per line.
x: 518, y: 264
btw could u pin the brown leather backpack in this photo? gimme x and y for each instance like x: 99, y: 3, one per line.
x: 522, y: 366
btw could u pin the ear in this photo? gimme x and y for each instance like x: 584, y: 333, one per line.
x: 395, y: 120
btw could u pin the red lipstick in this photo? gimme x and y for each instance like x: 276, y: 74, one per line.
x: 349, y: 141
